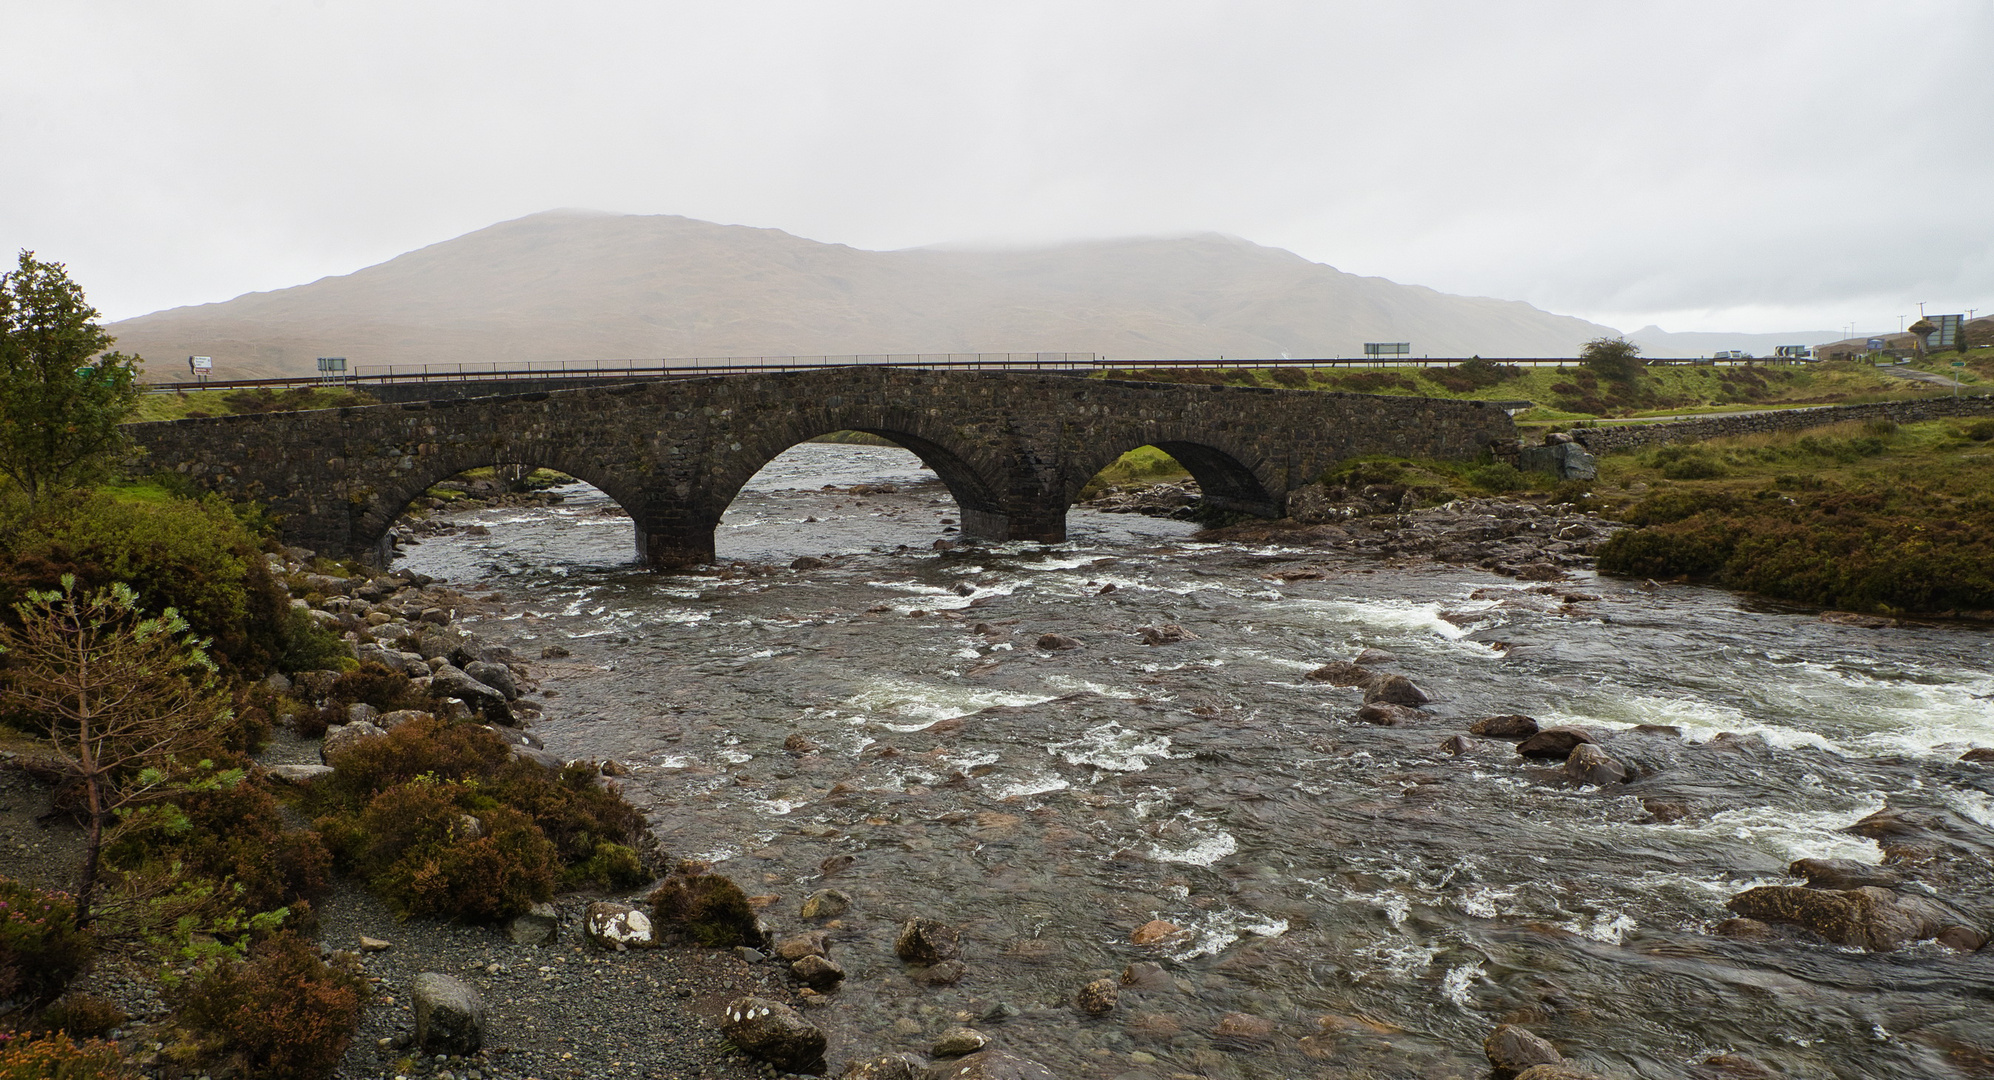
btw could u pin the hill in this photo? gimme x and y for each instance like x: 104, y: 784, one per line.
x: 587, y: 285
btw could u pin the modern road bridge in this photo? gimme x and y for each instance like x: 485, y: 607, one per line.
x: 1013, y: 448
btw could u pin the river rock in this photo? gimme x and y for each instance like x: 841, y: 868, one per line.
x: 1867, y: 917
x: 797, y: 946
x: 1342, y: 673
x: 1554, y: 742
x: 1164, y: 634
x: 1098, y: 998
x: 890, y: 1067
x: 1591, y: 765
x: 1057, y: 642
x: 1731, y: 1067
x: 1844, y: 874
x: 538, y: 756
x: 1506, y: 726
x: 451, y: 681
x: 1925, y: 833
x: 618, y: 926
x: 1743, y: 929
x: 775, y: 1033
x: 539, y: 925
x: 449, y: 1015
x: 1512, y: 1049
x: 1388, y: 715
x: 555, y: 652
x: 946, y: 973
x: 817, y: 971
x: 1374, y: 656
x: 956, y: 1042
x: 1557, y: 1071
x: 496, y: 676
x: 1155, y: 931
x: 1984, y: 754
x: 340, y: 736
x: 1393, y: 690
x: 926, y: 941
x: 826, y: 904
x: 1241, y: 1029
x: 989, y: 1065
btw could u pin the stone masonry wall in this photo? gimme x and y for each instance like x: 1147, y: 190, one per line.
x: 1607, y: 440
x: 1014, y: 449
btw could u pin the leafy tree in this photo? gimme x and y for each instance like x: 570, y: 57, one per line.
x: 1612, y: 358
x: 60, y: 401
x: 120, y: 697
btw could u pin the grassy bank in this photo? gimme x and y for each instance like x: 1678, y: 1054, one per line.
x: 1574, y: 393
x: 184, y: 404
x: 1863, y: 517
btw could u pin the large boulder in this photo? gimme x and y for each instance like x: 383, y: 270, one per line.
x: 1554, y: 742
x: 496, y: 676
x: 618, y: 926
x: 1506, y: 726
x: 1342, y: 673
x: 775, y: 1033
x: 1868, y: 917
x: 1591, y: 765
x: 341, y: 736
x: 1844, y: 874
x: 989, y: 1065
x: 540, y: 925
x: 449, y: 1015
x: 451, y: 681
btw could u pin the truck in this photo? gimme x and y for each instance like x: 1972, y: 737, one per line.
x: 1731, y: 354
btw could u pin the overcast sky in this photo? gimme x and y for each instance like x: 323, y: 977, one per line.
x: 1723, y: 166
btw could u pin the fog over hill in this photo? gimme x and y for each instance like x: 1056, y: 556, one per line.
x: 587, y: 285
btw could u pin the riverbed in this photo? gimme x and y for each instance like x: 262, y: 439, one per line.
x: 1350, y: 900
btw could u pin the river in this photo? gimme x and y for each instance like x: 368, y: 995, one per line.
x: 1354, y: 901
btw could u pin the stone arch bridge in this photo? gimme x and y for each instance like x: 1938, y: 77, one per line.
x: 1014, y: 449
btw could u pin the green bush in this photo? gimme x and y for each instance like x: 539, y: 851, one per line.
x: 57, y: 1057
x: 1980, y: 430
x: 385, y: 689
x: 80, y: 1016
x: 40, y: 947
x: 1497, y: 478
x: 431, y: 748
x: 578, y: 817
x: 233, y: 834
x: 427, y: 853
x: 705, y: 907
x: 283, y: 1014
x: 192, y: 555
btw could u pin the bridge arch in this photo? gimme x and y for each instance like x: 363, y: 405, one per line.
x: 374, y: 517
x: 1228, y: 474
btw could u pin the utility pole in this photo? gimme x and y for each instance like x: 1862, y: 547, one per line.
x: 1921, y: 309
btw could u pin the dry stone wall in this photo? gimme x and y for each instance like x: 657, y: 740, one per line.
x: 1607, y: 440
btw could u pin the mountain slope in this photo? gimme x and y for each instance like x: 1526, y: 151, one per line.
x: 585, y: 285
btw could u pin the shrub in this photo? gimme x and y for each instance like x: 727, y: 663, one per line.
x: 577, y: 816
x: 1611, y: 358
x: 384, y: 688
x: 1290, y: 376
x: 40, y: 947
x: 1694, y: 466
x: 57, y: 1057
x: 1571, y: 493
x: 433, y: 748
x: 1499, y: 477
x: 705, y: 907
x: 1980, y: 430
x: 428, y: 855
x: 613, y: 867
x: 80, y: 1016
x: 234, y: 834
x: 282, y: 1014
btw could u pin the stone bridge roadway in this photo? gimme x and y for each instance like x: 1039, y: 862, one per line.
x: 1014, y: 449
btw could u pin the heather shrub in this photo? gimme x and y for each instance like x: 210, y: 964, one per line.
x: 575, y: 814
x: 57, y: 1057
x: 1499, y: 477
x: 232, y: 833
x: 612, y: 867
x: 385, y: 689
x: 705, y: 907
x: 443, y: 848
x: 283, y: 1014
x: 1980, y: 430
x: 40, y: 947
x: 433, y: 748
x: 80, y: 1016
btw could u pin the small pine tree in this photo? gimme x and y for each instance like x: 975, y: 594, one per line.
x: 61, y: 396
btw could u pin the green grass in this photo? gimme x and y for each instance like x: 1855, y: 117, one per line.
x: 1140, y: 467
x: 185, y: 404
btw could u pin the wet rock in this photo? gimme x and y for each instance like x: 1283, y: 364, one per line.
x: 775, y: 1033
x: 449, y: 1015
x: 799, y: 744
x: 1098, y: 998
x: 1466, y: 746
x: 1154, y: 931
x: 926, y: 941
x: 618, y: 926
x: 1979, y: 753
x: 1844, y: 874
x: 826, y: 904
x: 1506, y: 726
x: 344, y: 735
x: 1145, y: 976
x: 554, y: 652
x: 989, y: 1065
x: 1868, y: 917
x: 1588, y: 764
x: 957, y: 1042
x: 890, y: 1067
x: 1057, y: 642
x: 1393, y: 690
x: 1557, y: 1071
x: 1512, y: 1049
x: 540, y: 925
x: 1736, y: 743
x: 797, y: 946
x: 1375, y: 656
x: 1241, y: 1029
x: 817, y: 971
x: 451, y: 681
x: 1554, y: 742
x: 1388, y: 715
x: 1730, y: 1067
x: 1342, y: 673
x: 806, y: 562
x: 496, y: 676
x: 1925, y: 834
x: 946, y: 973
x: 1164, y: 634
x: 1745, y: 930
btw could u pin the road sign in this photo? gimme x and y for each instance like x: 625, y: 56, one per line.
x: 1387, y: 348
x: 1959, y: 363
x: 1877, y: 343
